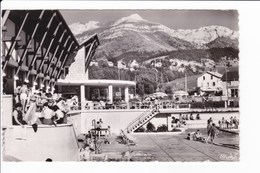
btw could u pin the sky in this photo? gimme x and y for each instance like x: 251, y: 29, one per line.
x: 175, y: 19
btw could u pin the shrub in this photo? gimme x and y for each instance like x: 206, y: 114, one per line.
x: 162, y: 128
x: 141, y: 129
x: 150, y: 127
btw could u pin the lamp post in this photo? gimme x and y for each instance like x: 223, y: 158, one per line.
x: 135, y: 82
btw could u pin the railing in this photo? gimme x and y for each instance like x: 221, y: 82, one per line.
x: 140, y: 118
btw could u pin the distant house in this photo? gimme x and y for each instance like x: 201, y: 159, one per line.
x: 156, y: 63
x: 230, y: 84
x: 93, y: 63
x: 210, y: 82
x: 133, y: 64
x: 110, y: 64
x: 121, y: 65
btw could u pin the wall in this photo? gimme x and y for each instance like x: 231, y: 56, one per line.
x: 7, y: 108
x: 58, y: 143
x: 116, y: 119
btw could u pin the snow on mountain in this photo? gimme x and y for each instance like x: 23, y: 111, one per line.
x: 79, y: 28
x: 135, y: 34
x: 206, y: 34
x: 131, y: 18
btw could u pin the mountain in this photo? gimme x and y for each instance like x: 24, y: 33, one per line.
x: 133, y: 37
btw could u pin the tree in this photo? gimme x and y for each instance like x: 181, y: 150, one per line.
x: 168, y: 90
x: 150, y: 127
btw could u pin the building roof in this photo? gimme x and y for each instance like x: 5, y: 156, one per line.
x: 230, y: 76
x: 181, y: 93
x: 216, y: 74
x: 96, y: 82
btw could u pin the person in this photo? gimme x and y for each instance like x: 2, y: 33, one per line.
x: 223, y: 122
x: 173, y: 120
x: 100, y: 123
x: 58, y: 114
x: 4, y: 86
x: 47, y: 114
x: 17, y: 92
x: 191, y: 117
x: 219, y: 124
x: 213, y: 133
x: 198, y: 116
x: 231, y: 122
x: 198, y: 136
x: 24, y: 95
x: 209, y: 126
x: 227, y: 123
x: 235, y: 121
x: 210, y: 120
x: 109, y: 130
x: 187, y: 117
x: 18, y: 115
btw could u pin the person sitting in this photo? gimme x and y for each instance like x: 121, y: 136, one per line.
x: 47, y: 114
x: 190, y: 136
x: 198, y: 136
x: 198, y: 117
x: 58, y: 114
x: 187, y: 117
x: 191, y: 117
x: 18, y: 115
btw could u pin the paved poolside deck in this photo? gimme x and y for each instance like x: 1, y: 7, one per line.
x: 176, y: 148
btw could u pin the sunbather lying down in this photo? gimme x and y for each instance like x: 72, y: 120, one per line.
x: 196, y: 136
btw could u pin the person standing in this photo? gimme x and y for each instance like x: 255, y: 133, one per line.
x: 210, y: 120
x: 209, y: 126
x: 24, y: 96
x: 213, y: 133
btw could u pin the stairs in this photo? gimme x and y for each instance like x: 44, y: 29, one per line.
x: 142, y: 119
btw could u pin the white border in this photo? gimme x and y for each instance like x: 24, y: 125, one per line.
x: 249, y: 15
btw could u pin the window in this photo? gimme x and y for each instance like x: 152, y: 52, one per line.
x: 234, y: 92
x: 213, y: 84
x: 211, y: 77
x: 208, y: 84
x: 203, y: 77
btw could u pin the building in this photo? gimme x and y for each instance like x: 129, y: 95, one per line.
x: 230, y: 84
x: 77, y: 81
x: 210, y: 82
x: 37, y: 46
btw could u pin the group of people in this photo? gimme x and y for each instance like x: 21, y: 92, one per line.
x: 191, y: 117
x: 212, y: 131
x: 232, y: 123
x: 38, y: 107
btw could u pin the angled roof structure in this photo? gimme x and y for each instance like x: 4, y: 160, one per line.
x: 230, y: 76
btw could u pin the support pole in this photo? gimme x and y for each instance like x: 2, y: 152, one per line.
x: 110, y: 93
x: 10, y: 50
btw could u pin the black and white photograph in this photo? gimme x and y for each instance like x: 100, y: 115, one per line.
x: 120, y: 85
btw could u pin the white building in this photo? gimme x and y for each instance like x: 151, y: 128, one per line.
x: 121, y: 64
x: 133, y: 64
x: 110, y: 64
x: 230, y: 84
x: 210, y: 82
